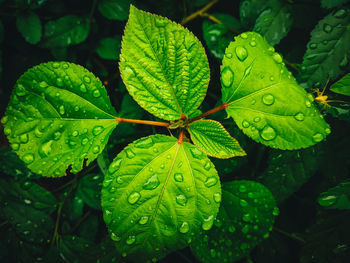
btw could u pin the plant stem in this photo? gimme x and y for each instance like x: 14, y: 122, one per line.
x: 198, y: 13
x: 219, y: 108
x: 181, y: 136
x: 156, y: 123
x: 86, y: 215
x: 292, y: 235
x: 92, y: 11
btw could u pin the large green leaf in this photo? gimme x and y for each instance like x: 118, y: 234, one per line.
x: 342, y: 86
x: 249, y: 10
x: 328, y: 51
x: 212, y: 138
x: 337, y: 197
x: 157, y: 195
x: 29, y: 26
x: 265, y: 100
x: 115, y: 9
x: 163, y: 65
x: 65, y: 31
x: 274, y: 23
x: 245, y: 218
x: 58, y: 116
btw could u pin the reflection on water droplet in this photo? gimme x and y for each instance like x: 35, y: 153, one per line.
x: 130, y: 240
x: 299, y: 116
x: 181, y: 200
x: 268, y: 99
x: 178, y: 177
x: 28, y: 158
x: 241, y: 53
x: 210, y: 181
x: 226, y: 77
x: 184, y: 228
x: 151, y: 183
x: 245, y: 124
x: 277, y: 58
x: 327, y: 200
x: 268, y: 133
x: 115, y: 237
x: 317, y: 137
x: 129, y: 153
x: 134, y: 197
x: 115, y: 165
x: 217, y: 197
x: 143, y: 220
x: 144, y: 142
x: 208, y: 223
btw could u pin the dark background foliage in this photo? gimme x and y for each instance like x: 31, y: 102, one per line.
x: 60, y: 220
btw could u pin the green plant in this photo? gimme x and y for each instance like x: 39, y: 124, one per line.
x: 163, y: 193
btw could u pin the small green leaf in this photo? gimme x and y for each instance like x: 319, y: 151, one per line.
x: 249, y: 10
x: 109, y: 48
x: 157, y: 195
x: 212, y: 138
x: 342, y: 86
x: 328, y: 4
x: 163, y: 65
x: 29, y: 26
x: 245, y: 218
x: 89, y: 190
x: 115, y: 9
x: 65, y: 31
x: 74, y: 249
x: 274, y: 23
x: 265, y: 100
x: 58, y: 116
x: 328, y: 51
x: 337, y: 197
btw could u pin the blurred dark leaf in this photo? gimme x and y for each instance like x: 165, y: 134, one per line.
x: 89, y: 190
x: 115, y: 9
x: 337, y: 197
x: 29, y: 25
x: 109, y: 48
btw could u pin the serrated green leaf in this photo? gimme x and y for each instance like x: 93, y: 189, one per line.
x: 287, y: 171
x: 115, y: 9
x: 29, y: 26
x: 265, y: 100
x: 89, y: 190
x: 249, y: 10
x: 212, y: 138
x: 332, y: 3
x: 109, y: 48
x: 157, y: 195
x: 163, y: 65
x: 337, y: 197
x: 58, y: 116
x: 274, y: 23
x: 342, y: 86
x: 245, y: 218
x: 328, y: 51
x: 65, y: 31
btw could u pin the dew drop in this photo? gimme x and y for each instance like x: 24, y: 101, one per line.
x: 97, y: 130
x: 96, y: 149
x: 210, y: 181
x: 207, y: 166
x: 241, y: 53
x: 246, y: 218
x: 217, y: 197
x: 28, y: 158
x: 313, y: 46
x: 242, y: 188
x: 83, y: 88
x: 75, y: 133
x: 243, y: 203
x: 327, y: 200
x: 327, y: 28
x: 15, y: 146
x: 129, y: 153
x: 327, y: 130
x: 268, y: 99
x: 45, y: 149
x: 317, y: 137
x: 87, y: 79
x: 244, y: 35
x: 4, y: 120
x: 160, y: 22
x: 115, y: 165
x: 59, y: 82
x: 226, y: 77
x: 144, y: 143
x: 130, y: 240
x: 257, y: 119
x: 340, y: 13
x: 143, y: 220
x: 208, y: 223
x: 299, y: 116
x: 268, y: 133
x: 96, y: 93
x: 23, y: 138
x: 184, y: 228
x: 228, y: 55
x: 43, y: 84
x: 276, y: 211
x: 245, y: 124
x: 196, y: 153
x: 178, y: 177
x: 308, y: 103
x: 252, y: 43
x: 231, y: 229
x: 134, y: 197
x: 277, y: 58
x: 56, y: 65
x: 61, y: 110
x: 115, y: 237
x: 151, y: 183
x: 344, y: 62
x: 181, y: 200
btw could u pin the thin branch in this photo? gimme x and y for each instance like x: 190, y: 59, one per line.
x: 92, y: 11
x: 86, y: 215
x: 181, y: 136
x: 198, y: 13
x: 219, y: 108
x: 290, y: 235
x: 156, y: 123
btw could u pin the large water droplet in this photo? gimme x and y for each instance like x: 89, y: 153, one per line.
x: 207, y: 166
x: 45, y: 149
x: 196, y: 153
x: 130, y: 240
x: 327, y: 28
x: 23, y: 138
x: 184, y: 228
x: 241, y: 53
x: 96, y: 93
x: 210, y: 181
x: 61, y: 110
x: 28, y: 158
x: 268, y: 133
x: 208, y: 223
x: 244, y: 35
x: 217, y: 197
x: 317, y: 137
x: 268, y: 99
x: 115, y: 237
x: 327, y: 200
x: 245, y: 124
x: 87, y: 79
x: 134, y: 197
x: 340, y: 13
x: 144, y: 143
x: 277, y: 58
x: 178, y: 177
x: 151, y: 183
x: 115, y: 165
x: 243, y: 203
x: 299, y: 116
x: 129, y: 153
x: 143, y: 220
x: 96, y: 149
x: 242, y: 188
x: 43, y: 84
x: 181, y: 200
x: 97, y: 130
x: 227, y: 77
x: 15, y: 146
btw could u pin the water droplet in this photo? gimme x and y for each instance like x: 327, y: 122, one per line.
x: 242, y: 188
x: 97, y: 130
x: 184, y: 228
x: 257, y: 119
x: 217, y: 197
x: 144, y: 143
x: 115, y: 237
x: 181, y: 200
x: 268, y: 99
x: 277, y: 58
x: 210, y: 181
x: 241, y: 53
x: 317, y: 137
x: 7, y: 131
x: 341, y: 13
x: 196, y: 153
x: 28, y: 158
x: 313, y: 46
x: 45, y: 149
x: 129, y: 153
x: 245, y: 229
x: 96, y: 93
x: 244, y: 35
x: 178, y: 177
x: 134, y: 197
x: 327, y: 28
x: 143, y: 220
x: 43, y: 84
x: 75, y: 133
x: 245, y: 124
x: 56, y: 65
x: 151, y: 183
x: 59, y: 82
x: 23, y: 138
x: 231, y: 229
x: 276, y: 211
x: 246, y: 218
x: 327, y: 200
x: 84, y: 141
x: 61, y: 110
x: 268, y: 133
x: 226, y: 77
x: 207, y: 166
x: 130, y: 240
x: 208, y: 223
x: 228, y: 55
x: 115, y: 165
x: 15, y: 146
x: 344, y: 62
x: 96, y: 149
x: 299, y: 116
x: 308, y: 103
x: 252, y: 43
x: 327, y: 130
x: 4, y: 120
x: 243, y: 203
x: 87, y: 79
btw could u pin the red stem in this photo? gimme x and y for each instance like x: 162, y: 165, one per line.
x: 181, y: 136
x: 156, y: 123
x: 219, y: 108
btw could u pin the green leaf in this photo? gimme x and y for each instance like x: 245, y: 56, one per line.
x: 157, y: 195
x: 163, y: 65
x: 109, y: 48
x: 29, y: 26
x: 265, y: 100
x: 74, y: 249
x: 58, y: 116
x: 245, y: 218
x: 337, y: 197
x: 274, y: 23
x: 65, y: 31
x: 212, y: 138
x: 249, y: 10
x: 328, y: 4
x: 328, y: 51
x: 342, y: 86
x: 89, y: 190
x: 287, y: 171
x: 115, y: 9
